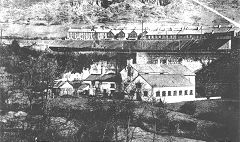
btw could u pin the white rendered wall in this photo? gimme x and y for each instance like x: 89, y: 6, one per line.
x: 107, y: 86
x: 177, y: 98
x: 167, y: 99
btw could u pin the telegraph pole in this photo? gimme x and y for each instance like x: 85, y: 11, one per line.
x: 142, y: 23
x: 1, y: 35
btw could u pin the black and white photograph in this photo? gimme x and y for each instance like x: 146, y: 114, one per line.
x: 119, y: 70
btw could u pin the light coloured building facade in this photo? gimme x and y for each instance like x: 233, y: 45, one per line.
x: 100, y: 84
x: 63, y: 88
x: 166, y: 82
x: 167, y: 88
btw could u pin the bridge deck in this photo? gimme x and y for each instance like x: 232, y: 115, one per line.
x: 140, y: 45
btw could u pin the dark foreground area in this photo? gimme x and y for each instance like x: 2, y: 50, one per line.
x: 92, y: 119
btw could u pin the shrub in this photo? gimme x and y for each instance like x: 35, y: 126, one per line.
x: 187, y: 126
x: 188, y: 108
x: 210, y: 116
x: 119, y: 95
x: 160, y: 104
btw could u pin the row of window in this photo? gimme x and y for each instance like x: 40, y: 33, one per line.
x: 174, y: 36
x: 87, y: 35
x: 170, y: 93
x: 66, y: 89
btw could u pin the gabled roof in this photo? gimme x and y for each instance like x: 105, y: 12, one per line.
x: 76, y: 84
x: 166, y: 80
x: 83, y: 86
x: 121, y: 34
x: 62, y: 84
x: 162, y: 68
x: 132, y: 34
x: 66, y: 85
x: 58, y: 84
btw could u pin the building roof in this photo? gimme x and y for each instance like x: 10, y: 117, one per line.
x: 103, y: 78
x: 62, y: 84
x: 92, y: 77
x: 83, y: 86
x: 81, y: 30
x: 59, y: 84
x: 108, y: 78
x: 76, y: 83
x: 166, y: 80
x: 162, y: 68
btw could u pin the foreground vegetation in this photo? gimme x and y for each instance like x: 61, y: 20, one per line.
x: 93, y: 119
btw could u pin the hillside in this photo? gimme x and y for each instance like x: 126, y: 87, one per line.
x: 118, y: 14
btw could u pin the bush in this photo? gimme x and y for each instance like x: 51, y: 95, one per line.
x: 187, y: 126
x: 119, y: 95
x: 160, y: 104
x: 210, y: 116
x: 188, y: 108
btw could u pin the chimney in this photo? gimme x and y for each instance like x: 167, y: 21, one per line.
x: 158, y: 62
x: 129, y: 61
x: 103, y: 68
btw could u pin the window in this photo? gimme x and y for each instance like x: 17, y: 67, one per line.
x: 138, y: 85
x: 169, y: 93
x: 158, y: 94
x: 129, y: 71
x: 132, y: 93
x: 112, y: 91
x: 164, y: 61
x: 191, y: 92
x: 174, y: 93
x: 163, y: 93
x: 186, y: 93
x: 145, y: 93
x: 112, y: 85
x: 180, y: 93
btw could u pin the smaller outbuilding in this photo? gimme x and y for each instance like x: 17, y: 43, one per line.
x: 63, y: 88
x: 105, y: 84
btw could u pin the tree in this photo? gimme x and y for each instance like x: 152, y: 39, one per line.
x: 33, y: 72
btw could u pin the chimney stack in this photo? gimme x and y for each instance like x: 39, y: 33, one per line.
x: 158, y: 62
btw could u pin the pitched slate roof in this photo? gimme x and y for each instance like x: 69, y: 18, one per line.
x: 109, y: 78
x: 103, y: 78
x: 166, y: 80
x: 92, y: 77
x: 83, y: 86
x: 162, y: 68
